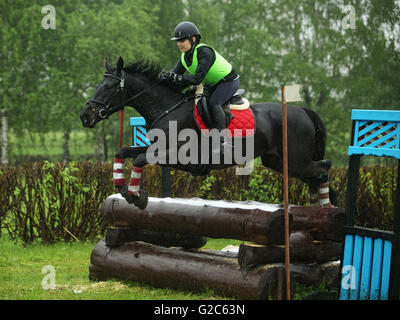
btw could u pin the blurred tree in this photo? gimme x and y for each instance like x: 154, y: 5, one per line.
x: 171, y: 12
x: 86, y: 36
x: 344, y: 56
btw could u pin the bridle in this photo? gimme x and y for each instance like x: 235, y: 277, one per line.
x: 104, y: 109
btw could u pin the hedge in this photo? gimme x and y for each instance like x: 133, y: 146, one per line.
x: 48, y: 202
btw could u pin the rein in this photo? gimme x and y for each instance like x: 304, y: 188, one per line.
x: 106, y: 110
x: 169, y: 110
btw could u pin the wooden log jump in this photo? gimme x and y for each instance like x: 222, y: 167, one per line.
x: 302, y: 249
x: 117, y: 236
x: 323, y: 223
x: 241, y: 220
x: 258, y: 223
x: 174, y: 268
x: 141, y: 245
x: 196, y: 271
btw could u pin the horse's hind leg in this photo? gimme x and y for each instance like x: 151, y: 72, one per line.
x: 313, y: 196
x: 315, y: 174
x: 275, y: 163
x: 318, y: 183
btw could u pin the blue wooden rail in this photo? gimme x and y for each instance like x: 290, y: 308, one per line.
x: 367, y: 255
x: 140, y: 140
x: 139, y: 132
x: 370, y: 261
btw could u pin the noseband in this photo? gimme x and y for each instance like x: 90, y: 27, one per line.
x: 105, y: 110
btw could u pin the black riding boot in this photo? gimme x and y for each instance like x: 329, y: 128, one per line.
x: 219, y: 123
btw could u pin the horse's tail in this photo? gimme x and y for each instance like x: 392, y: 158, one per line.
x: 320, y: 135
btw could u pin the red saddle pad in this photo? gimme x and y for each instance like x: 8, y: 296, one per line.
x: 241, y: 125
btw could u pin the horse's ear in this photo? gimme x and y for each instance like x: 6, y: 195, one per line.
x: 120, y: 64
x: 108, y: 65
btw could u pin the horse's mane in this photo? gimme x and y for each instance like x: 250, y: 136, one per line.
x: 147, y: 68
x: 151, y: 71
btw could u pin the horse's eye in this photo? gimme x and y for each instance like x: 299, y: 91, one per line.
x: 110, y: 85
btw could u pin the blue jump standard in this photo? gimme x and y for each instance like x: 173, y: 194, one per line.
x: 371, y: 257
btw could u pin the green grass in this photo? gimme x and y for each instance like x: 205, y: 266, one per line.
x: 21, y: 275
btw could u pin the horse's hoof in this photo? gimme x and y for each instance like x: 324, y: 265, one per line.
x: 142, y: 200
x: 123, y: 190
x: 326, y: 164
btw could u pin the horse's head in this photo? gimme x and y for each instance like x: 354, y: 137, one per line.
x: 107, y: 97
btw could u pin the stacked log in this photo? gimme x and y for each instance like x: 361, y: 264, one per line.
x: 315, y: 240
x: 162, y: 244
x: 178, y: 269
x: 322, y: 223
x: 117, y: 236
x: 316, y: 237
x: 215, y: 219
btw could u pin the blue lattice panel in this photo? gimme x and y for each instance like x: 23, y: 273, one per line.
x: 139, y: 132
x: 376, y: 132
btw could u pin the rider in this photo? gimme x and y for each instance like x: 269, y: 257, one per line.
x: 206, y: 65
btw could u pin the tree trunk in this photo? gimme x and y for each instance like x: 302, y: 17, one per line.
x: 116, y: 237
x: 4, y: 137
x: 105, y: 147
x: 321, y: 99
x: 174, y: 268
x: 100, y: 149
x: 214, y: 219
x: 251, y: 255
x: 323, y: 223
x: 67, y: 154
x: 307, y: 97
x: 259, y: 223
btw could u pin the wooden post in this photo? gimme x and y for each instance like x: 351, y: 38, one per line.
x: 285, y: 192
x: 121, y: 128
x: 395, y: 273
x: 166, y: 182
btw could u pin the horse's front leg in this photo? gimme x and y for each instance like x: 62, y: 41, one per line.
x: 130, y: 152
x: 119, y: 161
x: 132, y: 192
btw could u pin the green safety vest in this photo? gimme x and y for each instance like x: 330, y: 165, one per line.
x: 218, y: 70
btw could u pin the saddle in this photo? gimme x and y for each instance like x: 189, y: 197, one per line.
x: 236, y: 102
x: 238, y: 114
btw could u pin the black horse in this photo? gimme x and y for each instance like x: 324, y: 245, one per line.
x: 139, y: 85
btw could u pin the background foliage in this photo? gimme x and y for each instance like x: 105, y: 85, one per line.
x: 47, y: 75
x: 50, y: 202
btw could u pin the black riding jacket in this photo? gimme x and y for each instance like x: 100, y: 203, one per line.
x: 206, y: 58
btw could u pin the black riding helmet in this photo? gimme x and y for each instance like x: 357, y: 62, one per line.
x: 186, y: 30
